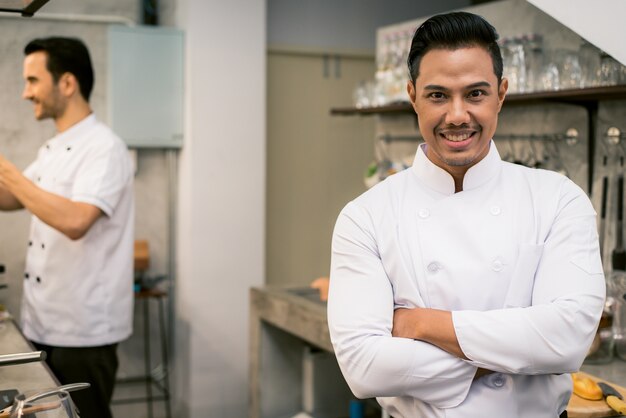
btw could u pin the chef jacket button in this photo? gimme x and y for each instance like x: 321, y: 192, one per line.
x: 424, y: 213
x: 43, y: 246
x: 433, y: 267
x: 30, y: 243
x: 38, y: 279
x: 497, y: 265
x: 495, y: 210
x: 39, y: 179
x: 26, y: 275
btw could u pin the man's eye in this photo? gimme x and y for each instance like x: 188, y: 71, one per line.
x: 476, y: 94
x: 436, y: 95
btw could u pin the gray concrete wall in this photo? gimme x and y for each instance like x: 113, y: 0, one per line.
x: 343, y: 25
x: 21, y: 135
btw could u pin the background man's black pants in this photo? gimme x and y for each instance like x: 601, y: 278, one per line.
x: 94, y: 365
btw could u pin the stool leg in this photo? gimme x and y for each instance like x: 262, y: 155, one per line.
x: 164, y: 359
x: 146, y: 347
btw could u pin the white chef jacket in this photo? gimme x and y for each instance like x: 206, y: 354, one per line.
x: 80, y: 293
x: 514, y: 256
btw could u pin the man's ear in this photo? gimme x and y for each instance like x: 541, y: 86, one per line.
x: 502, y: 89
x: 410, y: 88
x: 68, y: 84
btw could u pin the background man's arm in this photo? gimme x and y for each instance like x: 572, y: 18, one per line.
x: 8, y: 201
x: 72, y: 219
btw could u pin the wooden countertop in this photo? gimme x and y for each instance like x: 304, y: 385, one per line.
x: 294, y: 311
x: 299, y: 312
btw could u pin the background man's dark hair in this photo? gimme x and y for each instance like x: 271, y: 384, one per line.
x: 453, y: 31
x: 66, y: 55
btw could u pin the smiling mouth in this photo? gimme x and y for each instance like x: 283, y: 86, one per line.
x: 457, y: 136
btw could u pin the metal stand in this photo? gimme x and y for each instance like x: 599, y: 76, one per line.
x: 151, y: 378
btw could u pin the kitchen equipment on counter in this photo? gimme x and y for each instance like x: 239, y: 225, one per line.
x: 55, y: 405
x: 20, y: 358
x: 27, y: 400
x: 583, y: 408
x: 613, y: 398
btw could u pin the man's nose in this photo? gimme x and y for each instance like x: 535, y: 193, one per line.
x: 457, y: 113
x: 26, y: 93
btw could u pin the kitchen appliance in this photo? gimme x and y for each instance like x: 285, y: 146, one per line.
x: 27, y: 8
x: 20, y: 358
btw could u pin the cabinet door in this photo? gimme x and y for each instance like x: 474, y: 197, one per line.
x: 315, y: 161
x: 146, y: 85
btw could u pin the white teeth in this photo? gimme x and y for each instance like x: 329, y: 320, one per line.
x: 457, y: 138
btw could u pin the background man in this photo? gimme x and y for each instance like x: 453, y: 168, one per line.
x: 464, y: 286
x: 78, y: 296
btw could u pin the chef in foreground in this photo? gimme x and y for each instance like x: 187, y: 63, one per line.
x: 78, y: 297
x: 464, y: 286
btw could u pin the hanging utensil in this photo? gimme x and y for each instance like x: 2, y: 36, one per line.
x: 618, y: 256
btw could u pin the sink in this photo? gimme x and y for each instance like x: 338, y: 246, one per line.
x: 308, y: 293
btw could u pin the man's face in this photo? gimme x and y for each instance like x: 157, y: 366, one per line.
x: 457, y: 101
x: 40, y: 87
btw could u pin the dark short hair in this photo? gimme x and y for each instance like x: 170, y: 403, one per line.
x: 454, y: 30
x: 66, y: 55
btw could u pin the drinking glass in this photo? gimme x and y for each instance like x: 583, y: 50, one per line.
x: 550, y: 75
x: 50, y: 404
x: 514, y: 63
x: 609, y: 70
x: 589, y: 57
x: 570, y: 74
x: 534, y: 62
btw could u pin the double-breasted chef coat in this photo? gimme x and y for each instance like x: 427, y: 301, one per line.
x: 514, y: 256
x: 80, y: 293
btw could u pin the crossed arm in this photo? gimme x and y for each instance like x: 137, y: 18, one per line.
x: 72, y: 219
x: 443, y: 351
x: 433, y: 326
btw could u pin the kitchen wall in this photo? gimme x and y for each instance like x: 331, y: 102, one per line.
x: 318, y: 52
x: 221, y: 203
x: 21, y: 135
x: 341, y: 25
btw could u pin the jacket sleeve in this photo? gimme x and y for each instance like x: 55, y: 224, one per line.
x: 554, y: 333
x: 360, y: 318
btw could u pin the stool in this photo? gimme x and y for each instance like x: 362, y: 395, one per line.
x: 145, y: 295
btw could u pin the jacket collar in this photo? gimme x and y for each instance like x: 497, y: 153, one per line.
x: 441, y: 181
x: 75, y: 131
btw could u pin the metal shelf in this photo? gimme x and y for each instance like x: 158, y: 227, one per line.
x: 574, y: 96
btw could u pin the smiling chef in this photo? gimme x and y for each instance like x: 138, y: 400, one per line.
x: 464, y: 286
x: 78, y: 297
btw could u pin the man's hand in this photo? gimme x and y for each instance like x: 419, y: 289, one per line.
x: 7, y: 171
x: 429, y: 325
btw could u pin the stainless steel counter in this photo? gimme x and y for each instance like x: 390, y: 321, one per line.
x: 23, y: 377
x: 615, y: 371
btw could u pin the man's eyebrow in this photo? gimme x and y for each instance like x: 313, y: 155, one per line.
x: 437, y: 87
x: 479, y: 84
